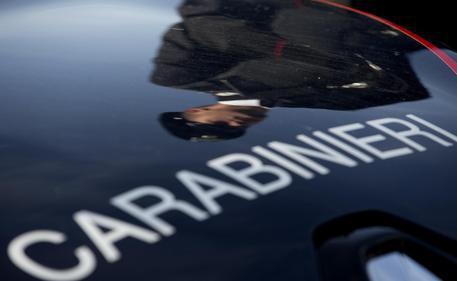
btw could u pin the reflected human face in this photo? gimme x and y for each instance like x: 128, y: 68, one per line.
x: 231, y: 115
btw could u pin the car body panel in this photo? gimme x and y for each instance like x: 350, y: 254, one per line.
x: 80, y: 126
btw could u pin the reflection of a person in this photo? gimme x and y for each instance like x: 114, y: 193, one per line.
x: 254, y: 55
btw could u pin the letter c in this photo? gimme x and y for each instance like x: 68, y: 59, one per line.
x: 16, y: 253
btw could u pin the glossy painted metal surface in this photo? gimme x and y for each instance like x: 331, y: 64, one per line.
x: 100, y: 97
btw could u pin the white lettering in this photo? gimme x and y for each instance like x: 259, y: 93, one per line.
x: 301, y: 154
x: 291, y: 166
x: 404, y: 136
x: 90, y: 222
x: 17, y: 248
x: 195, y: 182
x: 256, y: 167
x: 365, y: 142
x: 150, y: 215
x: 341, y: 145
x: 433, y: 127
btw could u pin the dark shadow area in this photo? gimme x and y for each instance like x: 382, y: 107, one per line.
x: 346, y: 245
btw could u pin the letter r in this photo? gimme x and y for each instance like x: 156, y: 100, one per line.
x: 245, y: 175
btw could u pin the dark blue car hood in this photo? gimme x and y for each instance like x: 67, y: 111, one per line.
x: 104, y: 174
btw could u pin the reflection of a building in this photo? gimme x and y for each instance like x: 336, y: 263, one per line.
x: 255, y: 55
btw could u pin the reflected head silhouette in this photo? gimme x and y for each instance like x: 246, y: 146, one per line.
x: 178, y: 126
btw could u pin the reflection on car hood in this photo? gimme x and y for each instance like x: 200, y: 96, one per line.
x: 208, y: 139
